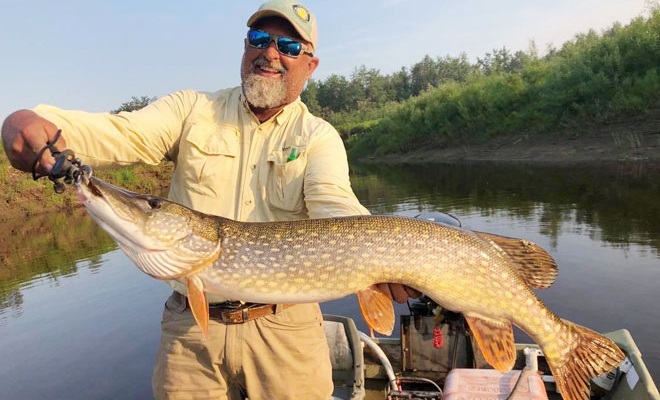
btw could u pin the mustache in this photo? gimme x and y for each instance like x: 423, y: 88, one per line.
x: 261, y: 62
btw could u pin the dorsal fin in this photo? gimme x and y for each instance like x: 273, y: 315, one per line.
x: 495, y: 340
x: 377, y: 309
x: 533, y: 262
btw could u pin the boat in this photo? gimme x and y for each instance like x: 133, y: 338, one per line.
x: 414, y: 367
x: 436, y: 357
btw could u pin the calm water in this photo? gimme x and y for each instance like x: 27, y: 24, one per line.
x: 78, y: 321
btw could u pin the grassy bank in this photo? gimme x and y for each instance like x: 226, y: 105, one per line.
x: 591, y: 82
x: 22, y: 196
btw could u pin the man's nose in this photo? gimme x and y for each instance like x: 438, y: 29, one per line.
x: 271, y: 51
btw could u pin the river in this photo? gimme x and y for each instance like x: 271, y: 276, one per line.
x: 78, y: 321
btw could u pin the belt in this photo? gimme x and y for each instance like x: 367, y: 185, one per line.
x: 247, y: 313
x: 232, y: 312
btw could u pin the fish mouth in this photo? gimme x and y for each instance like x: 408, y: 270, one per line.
x: 132, y: 220
x: 112, y: 208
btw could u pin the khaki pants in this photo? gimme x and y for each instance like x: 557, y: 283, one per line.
x: 280, y: 356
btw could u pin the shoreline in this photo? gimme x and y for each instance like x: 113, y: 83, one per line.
x: 622, y: 142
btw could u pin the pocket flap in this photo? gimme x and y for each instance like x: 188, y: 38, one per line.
x: 214, y: 139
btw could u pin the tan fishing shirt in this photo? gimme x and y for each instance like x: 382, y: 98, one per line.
x: 292, y: 166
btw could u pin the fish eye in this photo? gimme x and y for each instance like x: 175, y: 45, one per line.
x: 154, y: 203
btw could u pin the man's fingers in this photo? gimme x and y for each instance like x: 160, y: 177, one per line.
x: 24, y: 135
x: 398, y: 292
x: 414, y: 293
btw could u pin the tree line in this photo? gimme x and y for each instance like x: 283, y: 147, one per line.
x: 589, y: 81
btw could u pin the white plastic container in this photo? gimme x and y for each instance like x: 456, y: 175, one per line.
x: 489, y: 384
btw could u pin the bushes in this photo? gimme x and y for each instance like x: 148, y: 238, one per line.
x: 589, y: 81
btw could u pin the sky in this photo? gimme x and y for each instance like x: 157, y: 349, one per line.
x: 95, y: 55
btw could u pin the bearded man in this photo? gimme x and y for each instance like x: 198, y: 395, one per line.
x: 250, y: 153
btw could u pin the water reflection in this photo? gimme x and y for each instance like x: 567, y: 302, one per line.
x: 45, y: 249
x: 617, y: 202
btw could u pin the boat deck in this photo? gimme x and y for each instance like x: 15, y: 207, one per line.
x: 414, y: 359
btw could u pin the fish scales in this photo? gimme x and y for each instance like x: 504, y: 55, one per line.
x: 356, y: 252
x: 323, y: 259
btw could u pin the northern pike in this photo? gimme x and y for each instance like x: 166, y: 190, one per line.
x: 316, y: 260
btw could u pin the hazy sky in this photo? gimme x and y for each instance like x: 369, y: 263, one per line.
x: 94, y: 55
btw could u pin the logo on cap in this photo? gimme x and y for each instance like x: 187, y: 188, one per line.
x: 301, y: 12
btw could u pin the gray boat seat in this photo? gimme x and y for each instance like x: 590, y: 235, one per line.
x: 346, y: 356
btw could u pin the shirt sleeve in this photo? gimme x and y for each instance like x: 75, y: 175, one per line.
x: 148, y: 135
x: 327, y: 187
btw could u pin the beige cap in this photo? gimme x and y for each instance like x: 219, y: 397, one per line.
x: 298, y: 15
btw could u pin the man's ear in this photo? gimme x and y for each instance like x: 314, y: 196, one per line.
x: 313, y: 63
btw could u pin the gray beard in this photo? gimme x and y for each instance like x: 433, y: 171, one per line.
x: 263, y: 92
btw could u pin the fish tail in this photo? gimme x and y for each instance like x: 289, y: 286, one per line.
x: 591, y: 355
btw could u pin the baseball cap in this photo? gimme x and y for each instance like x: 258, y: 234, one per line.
x: 298, y: 15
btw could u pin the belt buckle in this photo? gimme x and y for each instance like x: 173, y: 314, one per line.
x: 236, y: 316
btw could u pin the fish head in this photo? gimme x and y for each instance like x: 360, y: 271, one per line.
x: 164, y: 239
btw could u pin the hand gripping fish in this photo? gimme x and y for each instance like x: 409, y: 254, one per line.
x: 317, y: 260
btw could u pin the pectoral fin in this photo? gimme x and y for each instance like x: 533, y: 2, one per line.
x: 198, y: 303
x: 495, y: 340
x: 377, y: 309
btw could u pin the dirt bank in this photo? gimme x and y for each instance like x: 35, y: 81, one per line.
x: 630, y: 141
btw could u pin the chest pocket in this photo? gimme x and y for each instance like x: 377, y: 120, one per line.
x: 284, y: 188
x: 208, y: 158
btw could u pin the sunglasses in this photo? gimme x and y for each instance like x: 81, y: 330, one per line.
x: 286, y: 46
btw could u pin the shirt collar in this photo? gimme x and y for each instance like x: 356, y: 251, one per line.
x: 280, y: 117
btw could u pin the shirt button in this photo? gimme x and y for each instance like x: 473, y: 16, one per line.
x: 253, y: 166
x: 248, y: 202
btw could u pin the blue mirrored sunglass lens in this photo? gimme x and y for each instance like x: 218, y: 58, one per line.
x: 288, y: 46
x: 259, y: 39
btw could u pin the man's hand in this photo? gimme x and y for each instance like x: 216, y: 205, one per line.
x: 24, y: 134
x: 397, y: 292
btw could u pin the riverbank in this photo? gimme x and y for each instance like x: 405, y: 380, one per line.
x: 637, y: 140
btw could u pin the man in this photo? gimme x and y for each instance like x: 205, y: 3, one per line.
x: 251, y: 153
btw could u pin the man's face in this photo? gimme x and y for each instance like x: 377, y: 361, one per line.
x: 269, y: 78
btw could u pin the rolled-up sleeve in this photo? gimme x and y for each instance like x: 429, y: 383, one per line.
x: 327, y: 188
x: 148, y: 135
